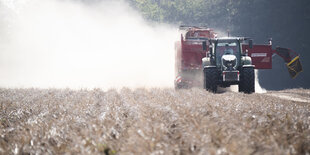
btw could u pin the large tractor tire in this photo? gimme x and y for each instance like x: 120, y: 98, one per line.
x: 210, y: 79
x: 247, y: 81
x: 178, y: 86
x: 240, y: 86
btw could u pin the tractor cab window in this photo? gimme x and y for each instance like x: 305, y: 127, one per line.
x: 226, y: 47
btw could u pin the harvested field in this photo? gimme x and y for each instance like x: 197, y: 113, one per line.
x: 153, y: 121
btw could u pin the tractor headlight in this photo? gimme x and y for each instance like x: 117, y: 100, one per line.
x: 229, y: 62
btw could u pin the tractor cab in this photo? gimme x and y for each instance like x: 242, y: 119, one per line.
x: 223, y: 49
x: 226, y: 50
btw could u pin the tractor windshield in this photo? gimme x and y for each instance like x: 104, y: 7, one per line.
x: 226, y: 47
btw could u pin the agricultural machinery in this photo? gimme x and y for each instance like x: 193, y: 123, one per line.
x: 203, y: 59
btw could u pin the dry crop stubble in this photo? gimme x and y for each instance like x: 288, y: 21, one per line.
x: 152, y: 121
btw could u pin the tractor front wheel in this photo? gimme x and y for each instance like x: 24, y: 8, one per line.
x: 247, y: 81
x: 210, y: 79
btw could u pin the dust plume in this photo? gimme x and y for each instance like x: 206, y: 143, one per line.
x: 53, y: 43
x: 258, y: 88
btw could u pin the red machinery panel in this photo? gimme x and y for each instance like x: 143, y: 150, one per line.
x: 192, y: 54
x: 261, y: 55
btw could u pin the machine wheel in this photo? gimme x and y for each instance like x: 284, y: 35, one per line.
x: 247, y: 83
x: 240, y: 88
x: 180, y: 86
x: 177, y: 86
x: 209, y: 81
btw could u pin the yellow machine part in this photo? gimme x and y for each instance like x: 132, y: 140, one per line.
x: 294, y: 67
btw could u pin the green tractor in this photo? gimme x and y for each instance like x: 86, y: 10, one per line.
x: 226, y: 63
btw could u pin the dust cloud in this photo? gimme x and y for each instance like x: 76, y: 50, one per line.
x: 258, y: 87
x: 59, y: 44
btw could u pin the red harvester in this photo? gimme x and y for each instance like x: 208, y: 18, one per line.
x: 190, y: 52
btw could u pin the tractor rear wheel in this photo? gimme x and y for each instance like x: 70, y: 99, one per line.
x: 247, y: 82
x: 210, y: 79
x: 240, y: 88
